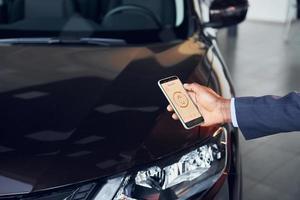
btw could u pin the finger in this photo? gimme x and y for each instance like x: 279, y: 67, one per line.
x: 186, y: 86
x: 193, y: 87
x: 174, y: 116
x: 199, y: 89
x: 169, y: 108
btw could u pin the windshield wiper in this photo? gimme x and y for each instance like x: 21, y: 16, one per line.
x: 110, y: 41
x: 89, y: 41
x: 12, y: 41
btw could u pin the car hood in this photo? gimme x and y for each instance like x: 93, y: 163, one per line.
x: 70, y: 114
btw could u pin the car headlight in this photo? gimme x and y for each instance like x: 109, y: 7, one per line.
x: 191, y: 174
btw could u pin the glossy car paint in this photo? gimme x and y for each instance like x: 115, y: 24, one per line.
x: 72, y: 114
x: 89, y: 109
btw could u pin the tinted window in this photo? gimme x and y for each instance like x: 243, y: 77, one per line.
x: 50, y: 17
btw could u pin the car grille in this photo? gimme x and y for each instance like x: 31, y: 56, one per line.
x: 83, y: 192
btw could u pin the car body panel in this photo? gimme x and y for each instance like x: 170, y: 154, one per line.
x: 70, y: 114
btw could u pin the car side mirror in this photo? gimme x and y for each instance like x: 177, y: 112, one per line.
x: 223, y: 13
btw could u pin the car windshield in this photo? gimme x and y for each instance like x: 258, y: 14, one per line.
x: 131, y: 20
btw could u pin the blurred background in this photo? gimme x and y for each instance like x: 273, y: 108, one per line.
x: 263, y: 56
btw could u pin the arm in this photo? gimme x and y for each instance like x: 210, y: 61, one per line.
x: 261, y: 116
x: 255, y: 116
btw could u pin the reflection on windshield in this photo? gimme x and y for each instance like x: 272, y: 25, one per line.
x: 89, y: 16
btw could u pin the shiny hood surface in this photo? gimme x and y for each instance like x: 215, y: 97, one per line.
x: 70, y: 114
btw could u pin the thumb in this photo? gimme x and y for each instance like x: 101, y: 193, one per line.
x: 192, y: 87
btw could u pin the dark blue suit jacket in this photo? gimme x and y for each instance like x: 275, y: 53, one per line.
x: 261, y: 116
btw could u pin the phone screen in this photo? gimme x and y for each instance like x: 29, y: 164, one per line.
x: 181, y: 102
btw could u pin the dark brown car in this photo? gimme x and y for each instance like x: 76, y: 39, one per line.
x: 81, y: 115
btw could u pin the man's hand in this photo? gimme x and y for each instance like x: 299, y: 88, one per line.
x: 214, y: 108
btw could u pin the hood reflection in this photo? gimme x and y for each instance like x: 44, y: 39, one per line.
x: 88, y: 113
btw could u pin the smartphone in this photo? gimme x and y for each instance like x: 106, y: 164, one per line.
x: 179, y: 99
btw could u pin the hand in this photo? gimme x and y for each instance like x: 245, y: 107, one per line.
x: 214, y: 108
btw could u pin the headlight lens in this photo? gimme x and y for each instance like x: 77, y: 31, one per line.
x: 189, y: 167
x: 192, y: 173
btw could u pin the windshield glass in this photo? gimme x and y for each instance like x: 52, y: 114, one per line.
x: 124, y: 19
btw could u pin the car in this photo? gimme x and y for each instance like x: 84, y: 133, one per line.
x: 82, y: 116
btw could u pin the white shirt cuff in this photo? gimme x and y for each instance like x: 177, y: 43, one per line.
x: 233, y: 113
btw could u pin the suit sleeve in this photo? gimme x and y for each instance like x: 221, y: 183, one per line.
x: 262, y: 116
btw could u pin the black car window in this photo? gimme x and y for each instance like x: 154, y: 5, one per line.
x: 88, y: 16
